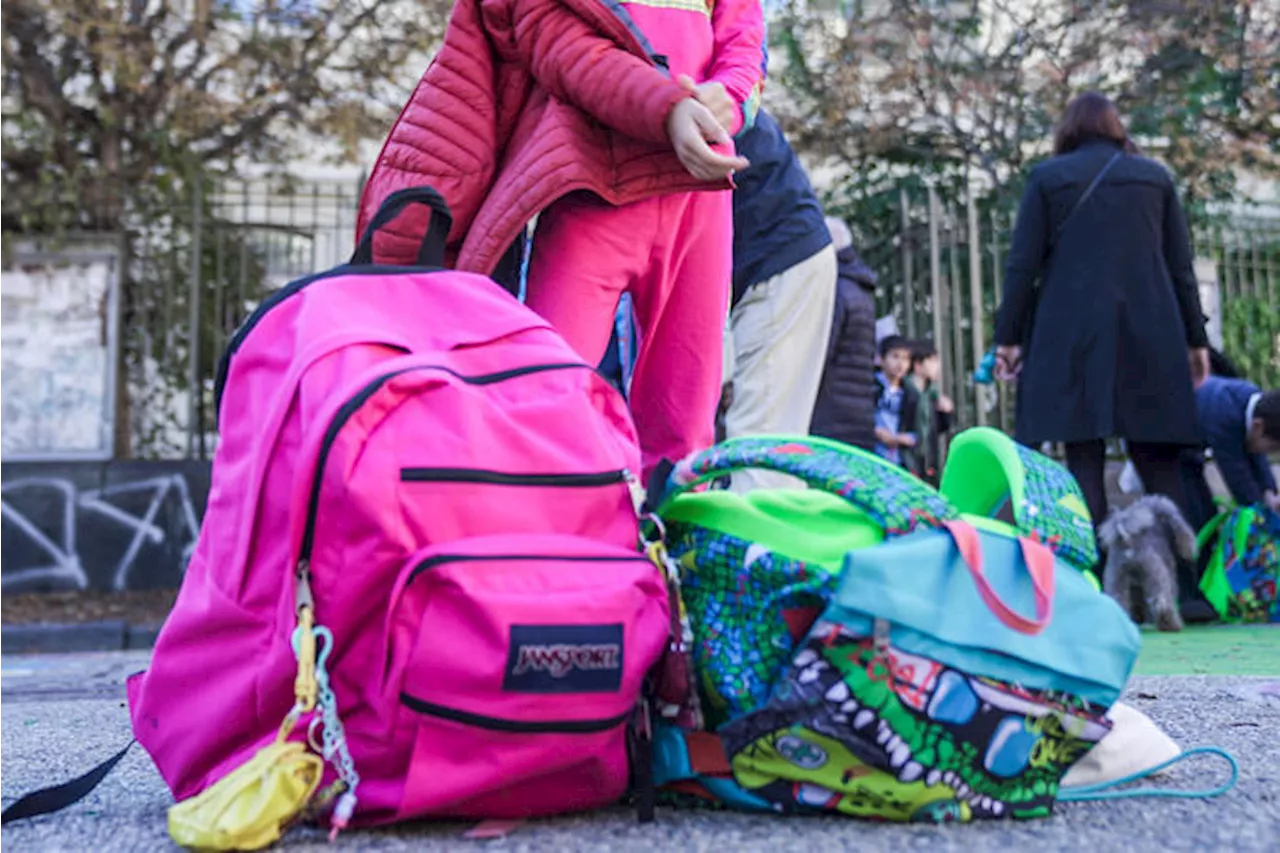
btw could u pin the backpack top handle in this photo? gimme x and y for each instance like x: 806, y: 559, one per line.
x: 431, y: 249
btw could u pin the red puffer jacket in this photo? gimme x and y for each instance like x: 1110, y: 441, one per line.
x: 526, y: 101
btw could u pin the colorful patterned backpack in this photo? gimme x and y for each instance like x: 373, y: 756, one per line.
x: 957, y: 674
x: 757, y: 569
x: 1241, y: 577
x: 754, y: 582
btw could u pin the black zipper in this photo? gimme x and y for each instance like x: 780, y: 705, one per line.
x: 440, y: 559
x: 278, y: 296
x: 497, y: 724
x: 501, y: 478
x: 353, y: 404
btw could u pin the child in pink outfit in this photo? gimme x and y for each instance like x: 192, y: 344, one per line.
x: 673, y: 253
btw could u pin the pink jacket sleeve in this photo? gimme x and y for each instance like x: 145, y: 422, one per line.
x: 739, y: 63
x: 576, y: 64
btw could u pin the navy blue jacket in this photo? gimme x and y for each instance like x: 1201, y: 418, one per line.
x: 846, y: 406
x: 777, y: 220
x: 1221, y: 405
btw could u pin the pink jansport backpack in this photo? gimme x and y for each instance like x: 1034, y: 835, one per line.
x: 425, y: 463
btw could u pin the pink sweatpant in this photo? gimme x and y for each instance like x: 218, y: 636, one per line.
x: 674, y: 253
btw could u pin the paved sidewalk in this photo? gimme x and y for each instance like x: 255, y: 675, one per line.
x: 62, y: 714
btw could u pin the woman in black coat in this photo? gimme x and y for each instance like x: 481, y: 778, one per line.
x: 1112, y: 342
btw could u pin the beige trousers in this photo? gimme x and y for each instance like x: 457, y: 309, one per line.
x: 779, y: 334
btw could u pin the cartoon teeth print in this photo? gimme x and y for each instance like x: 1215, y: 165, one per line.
x: 906, y: 738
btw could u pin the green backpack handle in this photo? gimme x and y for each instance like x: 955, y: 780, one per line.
x: 1210, y: 530
x: 986, y: 469
x: 893, y: 498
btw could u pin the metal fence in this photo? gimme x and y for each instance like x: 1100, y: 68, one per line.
x: 200, y: 260
x: 199, y: 257
x: 229, y: 247
x: 941, y: 267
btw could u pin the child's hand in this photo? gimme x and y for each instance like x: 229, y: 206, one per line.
x: 885, y: 437
x: 945, y: 405
x: 714, y: 97
x: 690, y: 127
x: 906, y: 439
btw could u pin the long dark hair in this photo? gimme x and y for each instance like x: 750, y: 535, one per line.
x: 1090, y: 115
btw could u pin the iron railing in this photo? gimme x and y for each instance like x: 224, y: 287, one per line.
x: 201, y: 258
x: 941, y: 268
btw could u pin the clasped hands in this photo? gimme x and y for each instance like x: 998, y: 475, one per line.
x: 698, y: 122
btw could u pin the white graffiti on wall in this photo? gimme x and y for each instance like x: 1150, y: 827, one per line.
x: 64, y: 563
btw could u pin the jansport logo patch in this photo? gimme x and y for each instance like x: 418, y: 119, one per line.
x: 564, y: 659
x: 559, y: 660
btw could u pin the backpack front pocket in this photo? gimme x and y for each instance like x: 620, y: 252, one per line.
x: 518, y: 663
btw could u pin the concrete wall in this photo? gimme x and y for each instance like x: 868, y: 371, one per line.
x: 99, y: 525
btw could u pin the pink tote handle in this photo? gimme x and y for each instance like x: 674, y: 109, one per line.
x: 1040, y: 564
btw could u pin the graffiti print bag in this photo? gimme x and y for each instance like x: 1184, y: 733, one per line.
x: 956, y: 675
x: 756, y: 570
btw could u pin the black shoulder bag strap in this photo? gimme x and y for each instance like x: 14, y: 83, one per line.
x: 1097, y: 179
x: 58, y: 797
x: 1057, y: 237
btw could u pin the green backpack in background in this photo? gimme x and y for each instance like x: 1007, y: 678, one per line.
x: 1244, y: 566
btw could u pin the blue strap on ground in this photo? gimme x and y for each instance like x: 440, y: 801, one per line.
x: 1101, y: 790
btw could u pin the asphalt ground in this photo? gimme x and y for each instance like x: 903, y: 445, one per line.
x: 62, y: 714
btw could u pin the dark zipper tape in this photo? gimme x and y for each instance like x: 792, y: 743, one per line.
x: 353, y: 404
x: 279, y: 296
x: 514, y: 726
x: 502, y: 478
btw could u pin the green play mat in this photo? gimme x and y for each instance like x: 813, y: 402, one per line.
x: 1211, y: 650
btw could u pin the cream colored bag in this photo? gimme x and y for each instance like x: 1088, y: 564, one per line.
x: 1134, y: 744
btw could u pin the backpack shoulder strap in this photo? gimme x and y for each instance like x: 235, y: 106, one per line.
x: 1213, y: 540
x: 1088, y: 191
x: 1210, y: 531
x: 58, y: 797
x: 892, y: 497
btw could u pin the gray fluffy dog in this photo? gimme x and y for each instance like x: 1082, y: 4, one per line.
x: 1143, y: 542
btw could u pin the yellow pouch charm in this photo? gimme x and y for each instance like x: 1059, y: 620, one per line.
x: 249, y: 807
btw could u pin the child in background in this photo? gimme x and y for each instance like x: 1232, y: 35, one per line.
x: 897, y: 401
x: 845, y: 409
x: 934, y: 414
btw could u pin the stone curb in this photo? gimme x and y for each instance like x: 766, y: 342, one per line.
x: 43, y: 638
